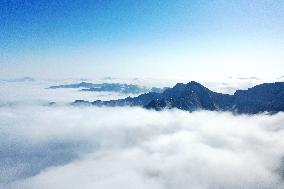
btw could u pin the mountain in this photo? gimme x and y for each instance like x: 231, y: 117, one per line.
x: 22, y: 79
x: 75, y: 85
x: 245, y: 78
x: 267, y: 97
x: 110, y: 87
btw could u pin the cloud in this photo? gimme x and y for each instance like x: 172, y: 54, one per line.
x: 89, y: 147
x: 31, y: 93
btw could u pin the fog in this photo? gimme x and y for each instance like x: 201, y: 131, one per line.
x: 55, y: 147
x: 31, y: 93
x: 70, y: 147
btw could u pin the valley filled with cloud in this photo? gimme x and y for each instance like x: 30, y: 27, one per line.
x: 122, y: 94
x: 64, y: 146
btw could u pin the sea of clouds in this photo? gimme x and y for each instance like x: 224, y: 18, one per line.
x: 55, y: 147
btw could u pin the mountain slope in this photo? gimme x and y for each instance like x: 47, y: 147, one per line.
x: 193, y: 96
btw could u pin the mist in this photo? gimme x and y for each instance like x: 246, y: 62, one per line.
x: 54, y: 136
x: 63, y: 146
x: 90, y: 147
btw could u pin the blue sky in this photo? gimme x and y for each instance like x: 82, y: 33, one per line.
x: 162, y: 39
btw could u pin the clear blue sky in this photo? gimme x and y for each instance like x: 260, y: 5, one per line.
x: 170, y: 38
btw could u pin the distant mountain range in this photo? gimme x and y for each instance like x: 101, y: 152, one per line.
x: 110, y: 87
x: 267, y: 97
x: 22, y: 79
x: 245, y: 78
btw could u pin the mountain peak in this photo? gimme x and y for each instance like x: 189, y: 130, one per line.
x: 192, y: 96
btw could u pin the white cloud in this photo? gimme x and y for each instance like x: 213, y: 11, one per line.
x: 31, y: 93
x: 70, y: 147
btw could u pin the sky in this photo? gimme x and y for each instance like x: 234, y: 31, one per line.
x: 128, y: 38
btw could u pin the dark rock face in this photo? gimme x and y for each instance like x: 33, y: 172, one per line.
x: 157, y: 104
x: 193, y: 96
x: 264, y: 97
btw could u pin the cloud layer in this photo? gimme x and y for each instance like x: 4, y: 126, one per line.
x: 71, y: 147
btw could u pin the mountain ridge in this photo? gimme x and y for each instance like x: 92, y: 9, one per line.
x: 109, y: 87
x: 266, y: 97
